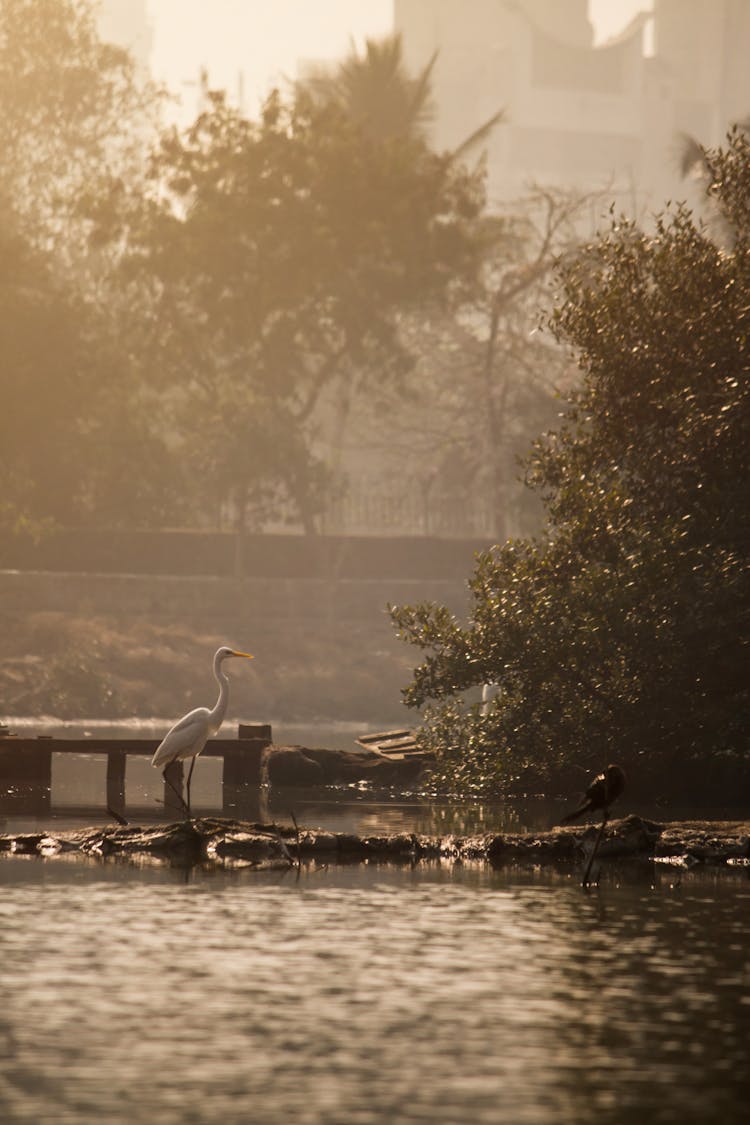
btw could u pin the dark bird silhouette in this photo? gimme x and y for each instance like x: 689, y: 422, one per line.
x: 603, y: 790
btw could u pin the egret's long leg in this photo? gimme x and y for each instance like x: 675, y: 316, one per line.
x: 177, y: 794
x: 187, y: 786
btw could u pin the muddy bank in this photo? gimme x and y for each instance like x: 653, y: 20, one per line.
x: 221, y: 841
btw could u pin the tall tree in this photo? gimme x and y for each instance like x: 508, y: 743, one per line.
x: 624, y: 630
x: 284, y: 251
x: 78, y: 436
x: 376, y: 91
x: 75, y: 116
x: 485, y: 382
x: 41, y: 383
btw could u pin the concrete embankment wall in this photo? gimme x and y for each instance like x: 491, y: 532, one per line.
x: 203, y: 598
x: 221, y: 554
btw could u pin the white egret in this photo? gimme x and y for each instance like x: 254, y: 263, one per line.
x: 187, y: 737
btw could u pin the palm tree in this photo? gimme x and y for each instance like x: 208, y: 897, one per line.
x: 376, y: 91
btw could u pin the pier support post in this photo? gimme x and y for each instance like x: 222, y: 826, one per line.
x: 26, y: 775
x: 116, y: 760
x: 240, y: 790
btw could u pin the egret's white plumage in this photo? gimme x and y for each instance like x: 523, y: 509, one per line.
x: 190, y: 734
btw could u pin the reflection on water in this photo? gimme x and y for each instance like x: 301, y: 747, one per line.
x: 372, y: 814
x: 78, y: 782
x: 439, y: 994
x: 349, y: 810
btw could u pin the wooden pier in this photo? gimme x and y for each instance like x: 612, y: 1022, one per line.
x: 26, y: 768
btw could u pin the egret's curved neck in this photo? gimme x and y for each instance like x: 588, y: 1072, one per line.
x: 216, y: 715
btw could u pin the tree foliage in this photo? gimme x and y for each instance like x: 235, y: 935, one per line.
x: 283, y: 251
x: 376, y: 91
x: 75, y: 117
x: 485, y: 380
x: 624, y: 629
x: 191, y: 306
x: 40, y: 381
x: 77, y: 439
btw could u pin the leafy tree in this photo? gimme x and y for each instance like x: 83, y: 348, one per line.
x: 75, y: 117
x: 624, y: 629
x: 376, y: 92
x: 77, y: 432
x: 76, y: 441
x: 282, y: 253
x: 485, y: 380
x: 39, y: 384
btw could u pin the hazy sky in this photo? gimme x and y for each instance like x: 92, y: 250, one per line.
x: 265, y: 38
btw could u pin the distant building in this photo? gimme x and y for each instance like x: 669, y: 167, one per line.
x: 580, y: 115
x: 704, y: 48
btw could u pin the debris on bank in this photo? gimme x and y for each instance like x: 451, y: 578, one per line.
x: 221, y: 841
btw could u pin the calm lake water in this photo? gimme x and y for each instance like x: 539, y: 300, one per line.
x: 440, y: 994
x: 371, y: 994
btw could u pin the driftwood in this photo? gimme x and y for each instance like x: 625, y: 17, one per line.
x: 307, y: 766
x: 220, y: 841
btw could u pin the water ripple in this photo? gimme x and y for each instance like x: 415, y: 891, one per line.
x: 371, y: 996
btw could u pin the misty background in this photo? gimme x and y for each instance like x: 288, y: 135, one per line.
x: 198, y: 451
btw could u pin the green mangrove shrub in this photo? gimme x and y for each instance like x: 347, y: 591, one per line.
x: 624, y: 629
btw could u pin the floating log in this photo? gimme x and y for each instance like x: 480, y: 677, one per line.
x: 219, y: 840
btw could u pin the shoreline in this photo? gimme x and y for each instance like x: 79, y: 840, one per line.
x: 220, y: 841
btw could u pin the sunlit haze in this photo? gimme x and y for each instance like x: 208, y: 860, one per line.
x: 247, y: 46
x: 260, y: 41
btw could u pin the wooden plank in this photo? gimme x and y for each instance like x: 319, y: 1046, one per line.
x: 26, y: 766
x: 395, y: 745
x: 142, y: 746
x: 145, y: 747
x: 367, y: 739
x: 401, y: 757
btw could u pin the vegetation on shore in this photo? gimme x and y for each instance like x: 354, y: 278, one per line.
x: 622, y: 632
x: 720, y: 846
x: 184, y: 312
x: 298, y: 318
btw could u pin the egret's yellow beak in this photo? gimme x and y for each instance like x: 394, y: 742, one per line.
x: 247, y: 655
